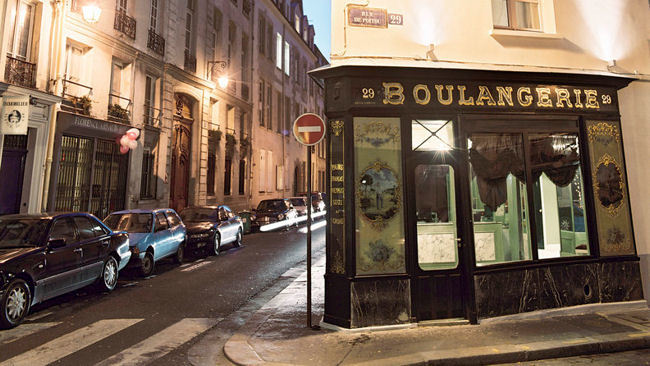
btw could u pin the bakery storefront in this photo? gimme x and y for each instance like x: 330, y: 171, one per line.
x: 90, y: 174
x: 462, y: 195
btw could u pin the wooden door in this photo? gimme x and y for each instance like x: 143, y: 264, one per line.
x: 180, y: 171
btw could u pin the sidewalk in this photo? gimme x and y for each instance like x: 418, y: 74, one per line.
x: 277, y: 335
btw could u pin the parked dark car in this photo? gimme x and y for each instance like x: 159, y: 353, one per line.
x: 44, y: 256
x: 273, y: 211
x: 153, y: 235
x: 210, y: 227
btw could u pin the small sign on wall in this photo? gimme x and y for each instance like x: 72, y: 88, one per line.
x: 367, y: 17
x: 15, y: 115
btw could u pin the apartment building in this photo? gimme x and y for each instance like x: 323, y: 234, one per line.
x: 487, y: 158
x: 183, y: 73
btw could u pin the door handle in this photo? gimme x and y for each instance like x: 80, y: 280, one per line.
x: 78, y: 250
x: 106, y: 242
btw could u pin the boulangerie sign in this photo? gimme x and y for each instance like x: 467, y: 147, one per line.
x: 15, y: 115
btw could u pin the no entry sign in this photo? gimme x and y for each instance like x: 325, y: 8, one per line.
x: 309, y: 129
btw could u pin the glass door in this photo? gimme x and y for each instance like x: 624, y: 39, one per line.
x: 435, y: 222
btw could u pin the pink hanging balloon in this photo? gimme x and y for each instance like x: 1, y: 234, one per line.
x: 124, y: 140
x: 133, y: 133
x: 124, y: 149
x: 132, y: 144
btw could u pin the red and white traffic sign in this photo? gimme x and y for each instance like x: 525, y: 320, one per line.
x: 309, y: 129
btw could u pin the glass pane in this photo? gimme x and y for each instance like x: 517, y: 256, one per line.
x: 432, y: 135
x: 436, y: 217
x: 499, y: 203
x: 527, y: 14
x: 559, y: 196
x: 500, y: 13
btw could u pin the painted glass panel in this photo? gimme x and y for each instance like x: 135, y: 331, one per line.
x: 378, y: 185
x: 613, y: 217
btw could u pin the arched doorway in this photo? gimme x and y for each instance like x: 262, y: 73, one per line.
x: 181, y: 152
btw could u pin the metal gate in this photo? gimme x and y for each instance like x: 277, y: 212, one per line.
x: 109, y: 179
x: 75, y: 167
x: 13, y: 165
x: 92, y: 176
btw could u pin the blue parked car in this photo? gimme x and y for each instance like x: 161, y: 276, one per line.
x: 153, y: 235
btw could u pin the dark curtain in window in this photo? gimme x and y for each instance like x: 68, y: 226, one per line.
x: 495, y: 156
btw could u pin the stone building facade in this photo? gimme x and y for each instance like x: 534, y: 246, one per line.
x: 155, y: 66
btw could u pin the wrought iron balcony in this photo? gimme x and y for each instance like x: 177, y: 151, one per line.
x: 152, y: 116
x: 124, y: 24
x: 156, y: 42
x: 119, y: 108
x: 190, y: 62
x: 76, y: 97
x: 247, y: 7
x: 19, y: 72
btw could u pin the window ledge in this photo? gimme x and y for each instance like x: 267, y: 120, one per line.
x: 509, y: 33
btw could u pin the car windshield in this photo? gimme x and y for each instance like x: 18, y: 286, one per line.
x: 130, y: 222
x: 271, y: 205
x: 298, y: 202
x: 199, y: 214
x: 24, y: 232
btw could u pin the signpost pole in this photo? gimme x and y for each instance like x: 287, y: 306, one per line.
x: 309, y: 210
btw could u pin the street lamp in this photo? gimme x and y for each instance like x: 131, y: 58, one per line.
x: 220, y: 66
x: 223, y: 82
x: 91, y: 13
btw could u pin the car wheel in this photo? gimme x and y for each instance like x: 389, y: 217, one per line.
x: 108, y: 279
x: 15, y: 303
x: 180, y: 253
x: 217, y: 244
x: 147, y: 265
x: 237, y: 242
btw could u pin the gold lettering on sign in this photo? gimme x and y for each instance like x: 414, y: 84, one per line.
x: 484, y: 95
x: 393, y: 93
x: 463, y: 100
x: 591, y: 98
x: 450, y: 94
x: 337, y: 179
x: 528, y: 100
x: 416, y: 94
x: 337, y: 202
x: 338, y: 190
x: 578, y: 94
x: 505, y: 94
x: 544, y: 97
x: 337, y: 166
x: 338, y: 221
x: 563, y: 95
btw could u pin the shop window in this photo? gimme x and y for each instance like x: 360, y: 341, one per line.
x: 227, y: 177
x: 242, y: 176
x: 148, y: 182
x: 499, y: 198
x: 436, y: 217
x: 212, y: 161
x: 516, y: 14
x: 558, y: 195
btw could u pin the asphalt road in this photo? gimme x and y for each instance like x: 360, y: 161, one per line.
x: 161, y: 319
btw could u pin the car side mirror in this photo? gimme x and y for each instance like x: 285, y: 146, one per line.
x: 56, y: 243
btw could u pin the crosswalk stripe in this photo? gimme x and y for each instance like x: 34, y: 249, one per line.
x: 70, y: 343
x: 10, y: 335
x: 162, y: 342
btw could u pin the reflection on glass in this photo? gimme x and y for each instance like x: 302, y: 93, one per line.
x: 432, y: 135
x: 527, y: 14
x: 436, y: 217
x: 559, y: 195
x: 498, y: 193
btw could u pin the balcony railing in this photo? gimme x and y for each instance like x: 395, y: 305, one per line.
x: 76, y: 97
x: 119, y: 108
x: 124, y: 24
x: 152, y: 116
x: 19, y: 72
x: 247, y: 7
x: 156, y: 42
x: 190, y: 62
